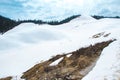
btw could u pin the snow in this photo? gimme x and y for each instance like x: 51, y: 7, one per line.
x: 68, y: 55
x: 28, y: 44
x: 56, y: 62
x: 107, y: 66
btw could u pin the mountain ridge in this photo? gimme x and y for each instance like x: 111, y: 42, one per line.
x: 7, y: 23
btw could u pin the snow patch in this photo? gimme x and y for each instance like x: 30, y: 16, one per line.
x: 56, y: 62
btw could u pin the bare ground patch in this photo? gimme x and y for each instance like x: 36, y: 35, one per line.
x: 74, y: 67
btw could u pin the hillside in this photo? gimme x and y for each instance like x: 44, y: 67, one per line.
x: 84, y: 48
x: 7, y: 24
x: 71, y: 66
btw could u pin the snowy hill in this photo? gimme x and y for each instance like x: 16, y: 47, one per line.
x: 28, y: 44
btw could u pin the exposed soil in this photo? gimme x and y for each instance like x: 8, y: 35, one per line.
x: 101, y: 34
x: 7, y: 78
x: 74, y: 67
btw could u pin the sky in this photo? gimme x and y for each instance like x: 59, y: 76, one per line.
x: 57, y: 9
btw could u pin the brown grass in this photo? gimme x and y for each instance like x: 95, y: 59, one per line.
x: 7, y: 78
x: 69, y: 67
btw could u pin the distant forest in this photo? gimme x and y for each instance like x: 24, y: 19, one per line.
x: 7, y: 24
x: 100, y: 17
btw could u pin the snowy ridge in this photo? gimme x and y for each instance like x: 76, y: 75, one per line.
x: 28, y: 43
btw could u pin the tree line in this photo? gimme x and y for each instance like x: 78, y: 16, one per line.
x: 7, y: 24
x: 100, y: 17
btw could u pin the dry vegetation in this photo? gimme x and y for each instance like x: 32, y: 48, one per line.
x: 101, y: 34
x: 69, y: 67
x: 7, y: 78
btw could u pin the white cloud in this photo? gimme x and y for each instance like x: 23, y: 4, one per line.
x: 56, y: 9
x: 50, y: 8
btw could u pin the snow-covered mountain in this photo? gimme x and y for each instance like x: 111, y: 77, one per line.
x: 28, y: 43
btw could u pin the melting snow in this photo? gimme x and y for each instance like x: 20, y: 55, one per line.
x: 27, y: 44
x: 56, y: 62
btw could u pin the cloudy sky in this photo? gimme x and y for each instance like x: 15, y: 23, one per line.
x: 57, y: 9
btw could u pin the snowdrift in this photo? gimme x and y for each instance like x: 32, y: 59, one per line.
x: 28, y: 44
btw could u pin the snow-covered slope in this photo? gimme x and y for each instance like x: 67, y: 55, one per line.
x: 28, y: 43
